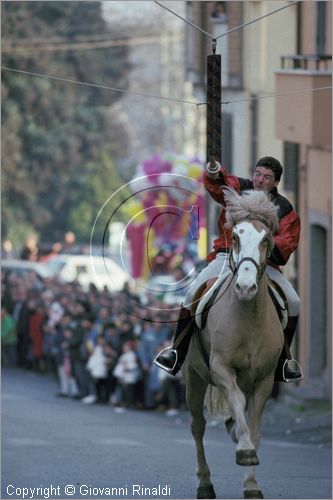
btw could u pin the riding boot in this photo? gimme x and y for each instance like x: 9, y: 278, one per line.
x: 284, y: 371
x: 171, y: 359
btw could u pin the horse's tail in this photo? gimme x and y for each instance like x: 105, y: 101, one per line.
x: 216, y: 403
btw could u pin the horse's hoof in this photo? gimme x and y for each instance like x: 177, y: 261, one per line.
x: 206, y: 491
x: 247, y: 457
x: 253, y: 494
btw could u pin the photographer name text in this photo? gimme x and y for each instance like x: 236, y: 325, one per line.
x: 88, y: 490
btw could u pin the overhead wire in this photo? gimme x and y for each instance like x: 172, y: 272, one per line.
x: 104, y: 87
x: 79, y: 45
x: 184, y: 19
x: 241, y: 26
x: 281, y: 94
x: 152, y: 96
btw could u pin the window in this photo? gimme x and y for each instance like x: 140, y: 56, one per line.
x: 219, y: 12
x: 321, y: 28
x: 290, y: 166
x: 81, y: 269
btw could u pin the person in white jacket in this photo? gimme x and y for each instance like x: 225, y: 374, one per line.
x: 128, y: 373
x: 97, y: 366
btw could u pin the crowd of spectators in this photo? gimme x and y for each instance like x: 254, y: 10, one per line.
x: 99, y: 345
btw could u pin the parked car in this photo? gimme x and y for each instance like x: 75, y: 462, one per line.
x: 164, y: 287
x: 24, y: 267
x: 86, y: 269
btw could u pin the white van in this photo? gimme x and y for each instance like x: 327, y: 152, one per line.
x: 86, y: 269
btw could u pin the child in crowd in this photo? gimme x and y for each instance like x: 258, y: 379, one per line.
x: 68, y: 386
x: 97, y: 366
x: 128, y: 373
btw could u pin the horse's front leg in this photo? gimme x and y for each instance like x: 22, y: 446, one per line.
x: 226, y: 381
x: 256, y: 405
x: 195, y: 395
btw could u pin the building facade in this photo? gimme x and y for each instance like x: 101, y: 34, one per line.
x: 303, y: 123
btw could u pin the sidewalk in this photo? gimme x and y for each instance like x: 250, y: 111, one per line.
x: 295, y: 417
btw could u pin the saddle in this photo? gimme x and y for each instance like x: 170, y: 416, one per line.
x: 204, y: 298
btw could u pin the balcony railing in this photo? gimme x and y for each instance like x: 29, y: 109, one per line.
x: 318, y: 62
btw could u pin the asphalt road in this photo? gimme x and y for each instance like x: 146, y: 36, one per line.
x: 50, y: 444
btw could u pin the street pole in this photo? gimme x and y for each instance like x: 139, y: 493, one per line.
x: 213, y: 128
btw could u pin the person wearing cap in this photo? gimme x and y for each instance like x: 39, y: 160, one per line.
x: 266, y: 177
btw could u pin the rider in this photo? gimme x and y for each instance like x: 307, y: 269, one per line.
x: 266, y: 178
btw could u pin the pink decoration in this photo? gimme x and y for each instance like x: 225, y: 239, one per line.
x: 155, y: 165
x: 169, y: 189
x: 136, y: 235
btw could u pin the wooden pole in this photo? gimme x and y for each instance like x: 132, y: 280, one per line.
x: 214, y: 108
x: 213, y: 129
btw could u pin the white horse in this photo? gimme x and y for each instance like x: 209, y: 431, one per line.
x: 243, y: 339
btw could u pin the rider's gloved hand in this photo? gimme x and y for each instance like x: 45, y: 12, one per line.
x: 213, y: 168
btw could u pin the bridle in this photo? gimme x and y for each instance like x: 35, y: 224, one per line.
x: 235, y: 268
x: 260, y: 268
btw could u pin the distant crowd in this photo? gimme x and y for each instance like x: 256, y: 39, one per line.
x: 99, y: 345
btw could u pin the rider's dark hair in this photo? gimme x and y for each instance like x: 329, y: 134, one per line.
x: 273, y: 164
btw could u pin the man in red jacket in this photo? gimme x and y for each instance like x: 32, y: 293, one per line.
x: 266, y: 178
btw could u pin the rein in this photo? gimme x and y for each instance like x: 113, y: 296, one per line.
x: 234, y: 269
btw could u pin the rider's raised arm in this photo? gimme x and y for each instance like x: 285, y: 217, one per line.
x: 215, y: 184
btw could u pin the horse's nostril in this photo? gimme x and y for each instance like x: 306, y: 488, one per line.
x: 253, y: 288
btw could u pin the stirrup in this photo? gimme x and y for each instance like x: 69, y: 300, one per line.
x: 285, y: 379
x: 166, y: 368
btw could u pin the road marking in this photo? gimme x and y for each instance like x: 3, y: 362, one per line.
x: 268, y: 442
x: 207, y: 442
x: 12, y: 397
x: 120, y: 441
x: 184, y: 441
x: 285, y: 444
x: 28, y: 442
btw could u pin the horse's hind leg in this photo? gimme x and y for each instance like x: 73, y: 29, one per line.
x: 256, y: 405
x: 195, y: 395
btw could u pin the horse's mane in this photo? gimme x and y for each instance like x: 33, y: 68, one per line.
x: 251, y: 205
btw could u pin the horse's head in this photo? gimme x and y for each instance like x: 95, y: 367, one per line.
x: 253, y: 219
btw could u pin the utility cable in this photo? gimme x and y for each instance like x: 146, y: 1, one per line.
x: 80, y: 45
x: 185, y: 20
x: 257, y: 19
x: 11, y: 46
x: 241, y: 26
x: 152, y: 96
x: 282, y: 94
x: 104, y: 87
